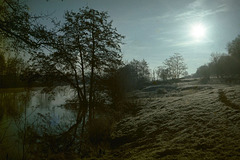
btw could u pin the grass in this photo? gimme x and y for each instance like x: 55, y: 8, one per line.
x: 195, y: 126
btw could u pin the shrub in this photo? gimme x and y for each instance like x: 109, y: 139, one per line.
x: 161, y: 91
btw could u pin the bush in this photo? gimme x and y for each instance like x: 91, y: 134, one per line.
x: 99, y: 135
x: 161, y: 91
x: 204, y: 80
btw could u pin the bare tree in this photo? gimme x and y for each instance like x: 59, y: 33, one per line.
x: 175, y: 66
x: 162, y: 73
x: 154, y: 75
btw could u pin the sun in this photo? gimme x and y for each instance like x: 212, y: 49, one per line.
x: 198, y: 31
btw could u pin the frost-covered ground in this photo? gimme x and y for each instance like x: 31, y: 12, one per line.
x: 182, y: 121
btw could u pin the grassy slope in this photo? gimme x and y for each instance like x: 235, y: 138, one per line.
x: 190, y: 122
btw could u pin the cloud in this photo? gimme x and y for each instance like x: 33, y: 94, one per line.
x: 190, y: 43
x: 157, y: 18
x: 195, y: 4
x: 163, y: 39
x: 197, y: 11
x: 183, y: 44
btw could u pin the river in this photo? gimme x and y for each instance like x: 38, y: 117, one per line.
x: 21, y: 108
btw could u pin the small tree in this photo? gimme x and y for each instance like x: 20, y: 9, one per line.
x: 162, y: 73
x: 154, y: 75
x: 141, y: 67
x: 142, y: 71
x: 203, y: 71
x: 176, y: 66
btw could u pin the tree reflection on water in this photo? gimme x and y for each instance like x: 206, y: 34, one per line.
x: 27, y: 114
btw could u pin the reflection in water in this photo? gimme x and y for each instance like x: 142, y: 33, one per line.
x: 10, y: 103
x: 22, y: 109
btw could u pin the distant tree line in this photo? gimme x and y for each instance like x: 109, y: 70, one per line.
x: 136, y: 74
x: 11, y: 71
x: 226, y: 67
x: 172, y: 68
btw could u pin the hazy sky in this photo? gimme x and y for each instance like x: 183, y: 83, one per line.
x: 155, y: 29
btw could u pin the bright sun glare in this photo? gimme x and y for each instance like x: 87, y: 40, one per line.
x: 198, y: 31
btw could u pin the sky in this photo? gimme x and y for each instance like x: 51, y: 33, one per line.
x: 156, y: 29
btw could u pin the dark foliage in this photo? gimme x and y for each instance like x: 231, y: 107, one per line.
x: 11, y: 71
x: 225, y: 67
